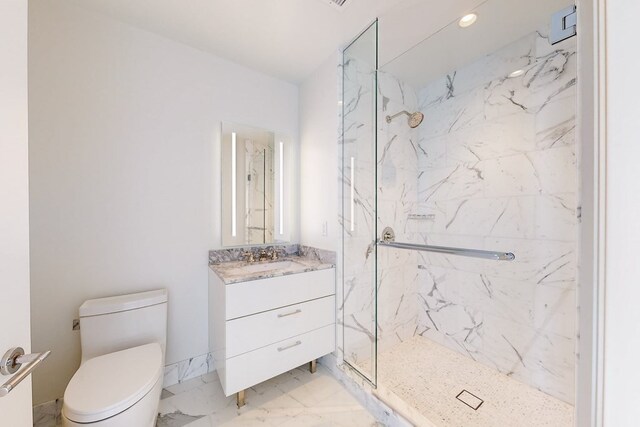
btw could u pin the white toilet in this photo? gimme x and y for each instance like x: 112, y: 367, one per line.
x: 119, y: 381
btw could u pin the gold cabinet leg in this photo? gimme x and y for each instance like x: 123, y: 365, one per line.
x: 240, y: 399
x: 313, y: 367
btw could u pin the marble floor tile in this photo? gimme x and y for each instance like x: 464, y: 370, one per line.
x: 48, y: 414
x: 295, y: 398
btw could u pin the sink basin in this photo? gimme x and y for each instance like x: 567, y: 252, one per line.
x: 259, y: 268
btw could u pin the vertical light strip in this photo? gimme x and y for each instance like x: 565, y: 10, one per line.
x: 353, y: 194
x: 234, y: 190
x: 281, y: 185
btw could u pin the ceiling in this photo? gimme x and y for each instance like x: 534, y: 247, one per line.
x: 284, y: 38
x: 500, y: 22
x: 289, y: 39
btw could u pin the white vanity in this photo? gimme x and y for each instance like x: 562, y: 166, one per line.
x: 266, y: 318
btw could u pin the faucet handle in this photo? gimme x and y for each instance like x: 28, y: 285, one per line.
x: 248, y: 255
x: 275, y: 253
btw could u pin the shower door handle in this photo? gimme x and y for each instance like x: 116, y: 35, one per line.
x: 389, y: 237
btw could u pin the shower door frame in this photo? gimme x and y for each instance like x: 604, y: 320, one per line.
x: 591, y: 128
x: 374, y: 373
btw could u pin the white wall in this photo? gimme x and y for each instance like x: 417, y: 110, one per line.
x: 622, y: 242
x: 124, y: 128
x: 15, y: 409
x: 319, y: 157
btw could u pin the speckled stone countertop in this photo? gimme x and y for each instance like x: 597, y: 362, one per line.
x: 234, y: 271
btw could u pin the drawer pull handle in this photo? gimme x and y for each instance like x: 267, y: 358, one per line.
x: 289, y: 314
x: 289, y: 346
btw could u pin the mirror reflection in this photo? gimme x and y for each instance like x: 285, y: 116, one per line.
x: 251, y: 183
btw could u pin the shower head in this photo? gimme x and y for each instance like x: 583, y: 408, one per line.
x: 414, y: 119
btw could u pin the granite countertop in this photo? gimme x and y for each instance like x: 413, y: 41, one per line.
x: 234, y: 272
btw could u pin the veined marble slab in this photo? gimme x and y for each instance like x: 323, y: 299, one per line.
x: 237, y: 254
x: 236, y: 271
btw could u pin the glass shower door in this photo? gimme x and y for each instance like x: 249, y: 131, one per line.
x: 358, y: 177
x: 477, y: 176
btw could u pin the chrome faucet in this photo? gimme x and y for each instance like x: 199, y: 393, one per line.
x: 275, y: 254
x: 263, y: 255
x: 248, y: 255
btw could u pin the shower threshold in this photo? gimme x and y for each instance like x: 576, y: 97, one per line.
x: 431, y: 385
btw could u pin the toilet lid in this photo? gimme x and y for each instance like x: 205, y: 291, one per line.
x: 107, y: 385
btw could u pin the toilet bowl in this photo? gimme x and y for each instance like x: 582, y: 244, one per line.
x: 119, y: 380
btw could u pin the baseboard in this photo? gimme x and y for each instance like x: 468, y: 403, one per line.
x: 48, y: 414
x: 184, y: 370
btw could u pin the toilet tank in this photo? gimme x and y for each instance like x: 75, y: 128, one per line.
x: 121, y: 322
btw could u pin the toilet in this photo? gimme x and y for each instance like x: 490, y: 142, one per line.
x: 118, y: 384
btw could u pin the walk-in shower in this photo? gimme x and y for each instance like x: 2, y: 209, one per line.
x: 460, y: 230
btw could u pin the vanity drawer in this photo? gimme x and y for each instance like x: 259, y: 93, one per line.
x: 259, y: 330
x: 251, y: 368
x: 255, y: 296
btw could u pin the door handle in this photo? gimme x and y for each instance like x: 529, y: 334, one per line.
x: 12, y: 361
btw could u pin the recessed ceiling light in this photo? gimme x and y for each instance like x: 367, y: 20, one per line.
x: 516, y: 73
x: 468, y: 20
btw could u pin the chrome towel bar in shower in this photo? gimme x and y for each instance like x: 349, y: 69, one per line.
x: 388, y: 239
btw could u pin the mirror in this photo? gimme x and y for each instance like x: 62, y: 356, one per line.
x: 253, y: 186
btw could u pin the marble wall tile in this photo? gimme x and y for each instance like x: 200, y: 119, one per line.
x: 517, y: 55
x: 393, y: 90
x: 511, y: 176
x: 556, y: 217
x: 435, y: 217
x: 500, y: 216
x: 184, y: 370
x: 555, y: 125
x: 356, y: 306
x: 454, y: 113
x: 398, y: 185
x: 556, y: 169
x: 553, y: 362
x: 453, y: 182
x: 505, y: 298
x: 396, y: 291
x: 500, y: 137
x: 396, y: 189
x: 544, y: 262
x: 397, y: 199
x: 507, y: 347
x: 432, y: 153
x: 325, y: 256
x: 504, y: 179
x: 555, y: 310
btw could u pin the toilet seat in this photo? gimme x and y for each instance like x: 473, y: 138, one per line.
x: 110, y: 384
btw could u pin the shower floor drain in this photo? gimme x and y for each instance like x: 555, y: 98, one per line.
x: 470, y: 399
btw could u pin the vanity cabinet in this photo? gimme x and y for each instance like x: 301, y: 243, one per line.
x: 262, y: 328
